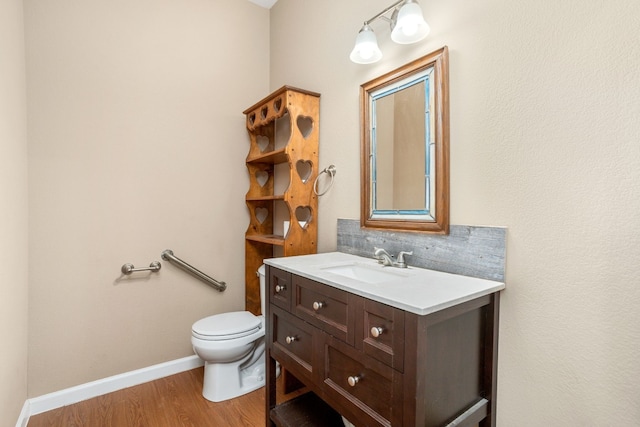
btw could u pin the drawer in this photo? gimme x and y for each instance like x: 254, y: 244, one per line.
x: 381, y: 332
x: 325, y: 307
x: 372, y: 387
x: 293, y: 339
x: 279, y: 286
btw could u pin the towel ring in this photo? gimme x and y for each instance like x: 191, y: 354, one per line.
x: 331, y: 171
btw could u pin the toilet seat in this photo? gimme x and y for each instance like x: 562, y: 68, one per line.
x: 226, y: 326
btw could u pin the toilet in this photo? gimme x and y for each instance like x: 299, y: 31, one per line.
x: 232, y: 346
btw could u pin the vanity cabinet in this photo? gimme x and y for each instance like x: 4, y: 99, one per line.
x: 378, y: 365
x: 283, y: 131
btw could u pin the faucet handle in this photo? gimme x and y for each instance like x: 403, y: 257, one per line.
x: 401, y: 262
x: 382, y: 256
x: 379, y: 253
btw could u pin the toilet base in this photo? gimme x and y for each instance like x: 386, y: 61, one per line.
x: 224, y: 381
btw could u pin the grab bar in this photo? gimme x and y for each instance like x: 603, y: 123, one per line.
x: 168, y: 255
x: 129, y: 268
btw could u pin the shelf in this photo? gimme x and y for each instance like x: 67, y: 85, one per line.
x: 307, y: 410
x: 270, y: 239
x: 272, y: 157
x: 265, y: 198
x: 276, y: 94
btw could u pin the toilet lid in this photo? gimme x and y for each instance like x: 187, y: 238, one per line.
x: 227, y: 326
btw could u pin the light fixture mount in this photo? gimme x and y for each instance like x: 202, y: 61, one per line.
x: 407, y: 26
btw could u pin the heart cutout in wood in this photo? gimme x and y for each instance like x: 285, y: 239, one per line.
x: 303, y: 215
x: 283, y: 131
x: 252, y: 118
x: 264, y: 111
x: 304, y: 169
x: 263, y: 142
x: 261, y: 214
x: 277, y: 104
x: 305, y: 125
x: 262, y: 177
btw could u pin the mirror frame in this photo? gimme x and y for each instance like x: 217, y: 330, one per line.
x: 440, y: 224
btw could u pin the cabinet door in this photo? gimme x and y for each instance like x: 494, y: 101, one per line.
x: 373, y: 389
x: 325, y: 307
x: 380, y: 332
x: 279, y: 288
x: 293, y: 343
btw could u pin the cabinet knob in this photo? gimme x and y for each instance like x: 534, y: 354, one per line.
x: 376, y: 331
x: 318, y: 305
x: 353, y: 380
x: 280, y: 288
x: 290, y: 339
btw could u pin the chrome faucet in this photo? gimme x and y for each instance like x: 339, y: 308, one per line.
x: 401, y: 262
x: 385, y: 259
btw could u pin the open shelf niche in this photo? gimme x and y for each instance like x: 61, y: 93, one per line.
x: 282, y: 164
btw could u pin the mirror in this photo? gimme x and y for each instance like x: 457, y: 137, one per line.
x: 405, y: 147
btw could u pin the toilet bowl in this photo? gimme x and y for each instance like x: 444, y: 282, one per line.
x: 232, y: 346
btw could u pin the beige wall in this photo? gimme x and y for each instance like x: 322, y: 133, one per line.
x: 13, y: 214
x: 136, y: 144
x: 545, y: 136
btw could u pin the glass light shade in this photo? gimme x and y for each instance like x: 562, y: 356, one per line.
x: 366, y: 50
x: 410, y: 26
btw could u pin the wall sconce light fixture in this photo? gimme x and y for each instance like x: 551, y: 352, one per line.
x: 407, y: 26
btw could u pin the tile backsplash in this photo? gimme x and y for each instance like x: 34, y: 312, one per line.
x: 467, y: 250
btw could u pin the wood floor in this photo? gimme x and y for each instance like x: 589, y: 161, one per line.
x: 173, y: 401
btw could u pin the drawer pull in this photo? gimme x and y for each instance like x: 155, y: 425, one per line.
x: 353, y: 380
x: 290, y: 339
x: 376, y: 331
x: 280, y: 288
x: 318, y: 305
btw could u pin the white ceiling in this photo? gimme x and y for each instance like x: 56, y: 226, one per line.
x: 264, y: 3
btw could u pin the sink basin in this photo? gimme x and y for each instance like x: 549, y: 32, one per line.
x: 364, y: 272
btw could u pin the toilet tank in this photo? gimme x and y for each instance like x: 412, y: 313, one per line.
x: 261, y: 274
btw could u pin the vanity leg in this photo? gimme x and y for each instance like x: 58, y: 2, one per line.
x: 270, y: 387
x: 490, y: 374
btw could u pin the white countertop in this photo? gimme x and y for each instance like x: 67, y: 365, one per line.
x: 413, y: 289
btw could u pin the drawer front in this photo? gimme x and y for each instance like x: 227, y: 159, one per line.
x: 325, y: 307
x: 279, y: 287
x: 381, y: 333
x: 372, y: 387
x: 293, y: 339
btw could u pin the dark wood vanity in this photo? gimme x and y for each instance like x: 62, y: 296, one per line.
x: 375, y: 364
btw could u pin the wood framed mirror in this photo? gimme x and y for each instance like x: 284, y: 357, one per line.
x: 405, y: 147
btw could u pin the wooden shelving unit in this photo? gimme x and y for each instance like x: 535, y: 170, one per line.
x: 283, y: 129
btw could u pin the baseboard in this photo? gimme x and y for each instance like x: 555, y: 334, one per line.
x: 58, y: 399
x: 23, y: 420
